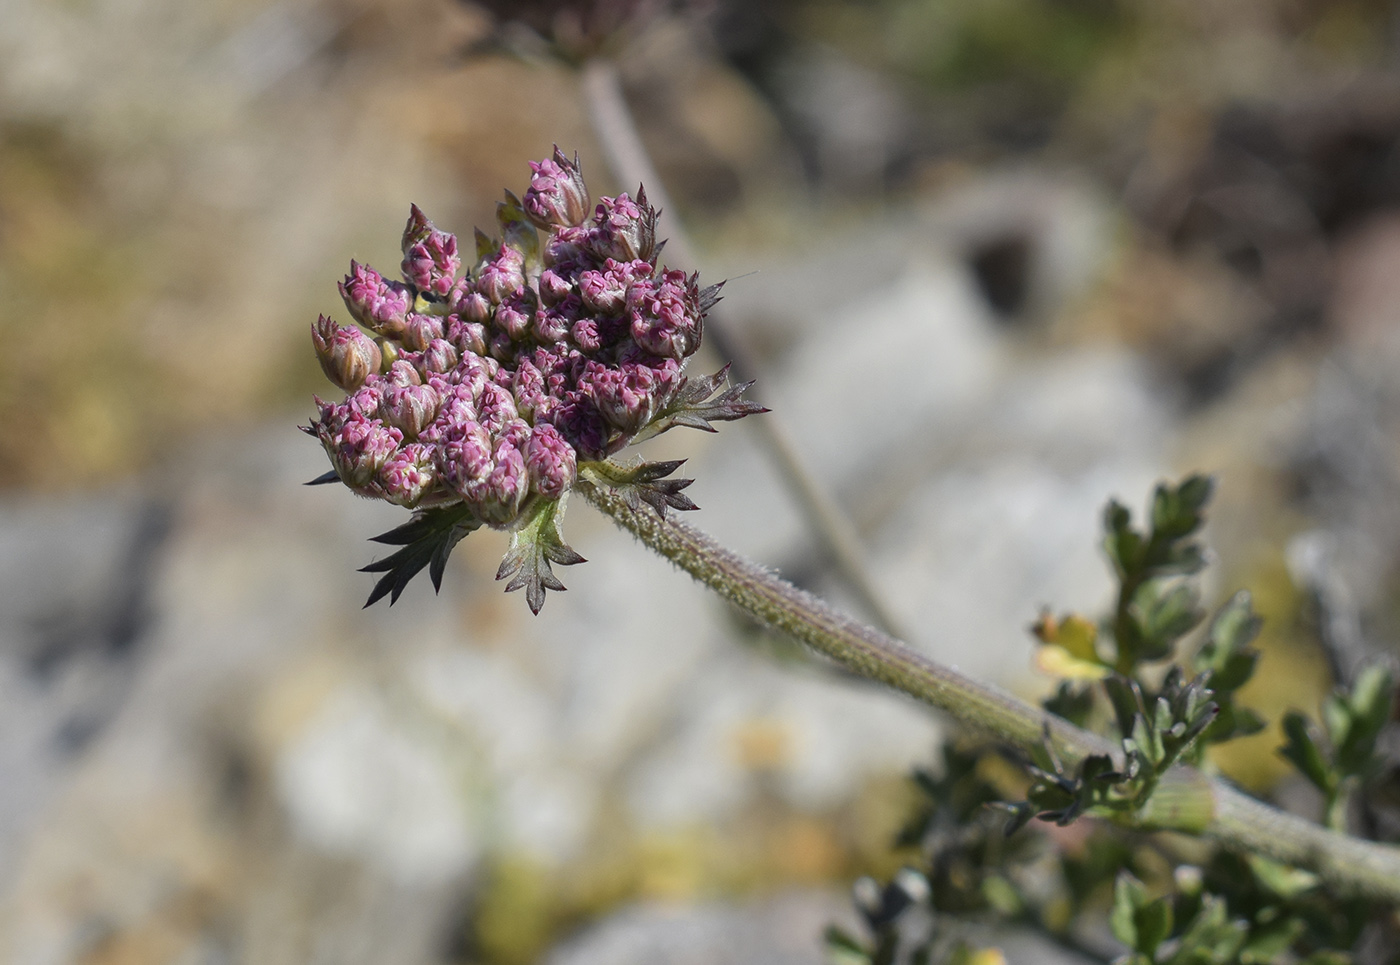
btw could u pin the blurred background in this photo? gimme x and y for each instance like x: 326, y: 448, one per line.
x: 997, y: 261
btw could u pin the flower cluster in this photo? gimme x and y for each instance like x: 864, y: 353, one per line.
x: 485, y: 387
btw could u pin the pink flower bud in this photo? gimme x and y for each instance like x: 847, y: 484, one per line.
x: 625, y: 396
x: 501, y: 348
x: 515, y: 314
x: 376, y: 304
x: 464, y: 456
x: 665, y: 314
x: 502, y: 276
x: 495, y: 407
x: 624, y: 230
x: 358, y: 446
x: 554, y: 286
x: 487, y: 472
x: 474, y: 371
x: 551, y: 462
x: 431, y: 265
x: 469, y: 337
x: 456, y: 408
x: 366, y: 400
x: 348, y: 356
x: 581, y: 425
x: 473, y: 306
x: 409, y: 408
x: 528, y: 388
x: 552, y: 324
x: 567, y: 246
x: 417, y: 229
x: 440, y: 357
x: 419, y: 330
x: 408, y: 476
x: 557, y: 195
x: 400, y: 374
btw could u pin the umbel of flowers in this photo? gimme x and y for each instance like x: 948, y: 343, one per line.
x: 477, y: 391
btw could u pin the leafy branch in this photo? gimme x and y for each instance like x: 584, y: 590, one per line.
x: 1210, y: 808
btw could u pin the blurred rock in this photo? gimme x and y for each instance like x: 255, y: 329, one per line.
x: 785, y: 930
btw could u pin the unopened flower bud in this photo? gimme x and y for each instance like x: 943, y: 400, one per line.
x: 528, y: 388
x: 586, y: 336
x: 419, y: 330
x: 630, y: 394
x: 408, y: 408
x: 440, y: 357
x: 665, y: 314
x: 557, y: 194
x: 348, y: 356
x: 401, y: 373
x: 515, y: 314
x: 568, y: 246
x: 417, y: 230
x: 624, y: 230
x: 580, y: 423
x: 487, y: 472
x: 554, y: 286
x: 551, y: 462
x: 431, y: 265
x: 502, y: 276
x: 469, y: 337
x: 366, y: 400
x: 552, y: 324
x: 408, y: 475
x: 376, y: 304
x: 473, y: 306
x: 358, y: 447
x: 495, y: 407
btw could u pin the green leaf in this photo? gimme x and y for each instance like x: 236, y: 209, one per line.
x: 1123, y: 544
x: 1303, y: 750
x: 1128, y: 896
x: 1225, y: 652
x: 427, y: 540
x: 1132, y: 920
x: 843, y: 949
x: 1166, y: 617
x: 1267, y: 943
x: 1126, y: 697
x: 645, y: 482
x: 1177, y: 512
x: 1212, y: 938
x: 517, y: 229
x: 1368, y: 707
x: 1281, y: 879
x: 1154, y: 924
x: 536, y: 543
x: 1071, y: 701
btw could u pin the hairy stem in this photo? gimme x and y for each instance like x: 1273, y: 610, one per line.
x: 1196, y: 805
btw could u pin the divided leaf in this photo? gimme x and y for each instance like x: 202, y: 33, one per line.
x: 646, y: 482
x: 534, y: 545
x: 426, y: 540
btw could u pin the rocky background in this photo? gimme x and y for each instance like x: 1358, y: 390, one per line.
x: 1000, y: 259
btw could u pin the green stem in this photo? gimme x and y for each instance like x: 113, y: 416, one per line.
x: 1196, y: 805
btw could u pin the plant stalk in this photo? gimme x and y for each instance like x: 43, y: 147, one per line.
x: 1196, y: 805
x: 631, y: 164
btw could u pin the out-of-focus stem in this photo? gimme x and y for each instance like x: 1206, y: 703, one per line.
x: 1193, y: 804
x: 631, y: 164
